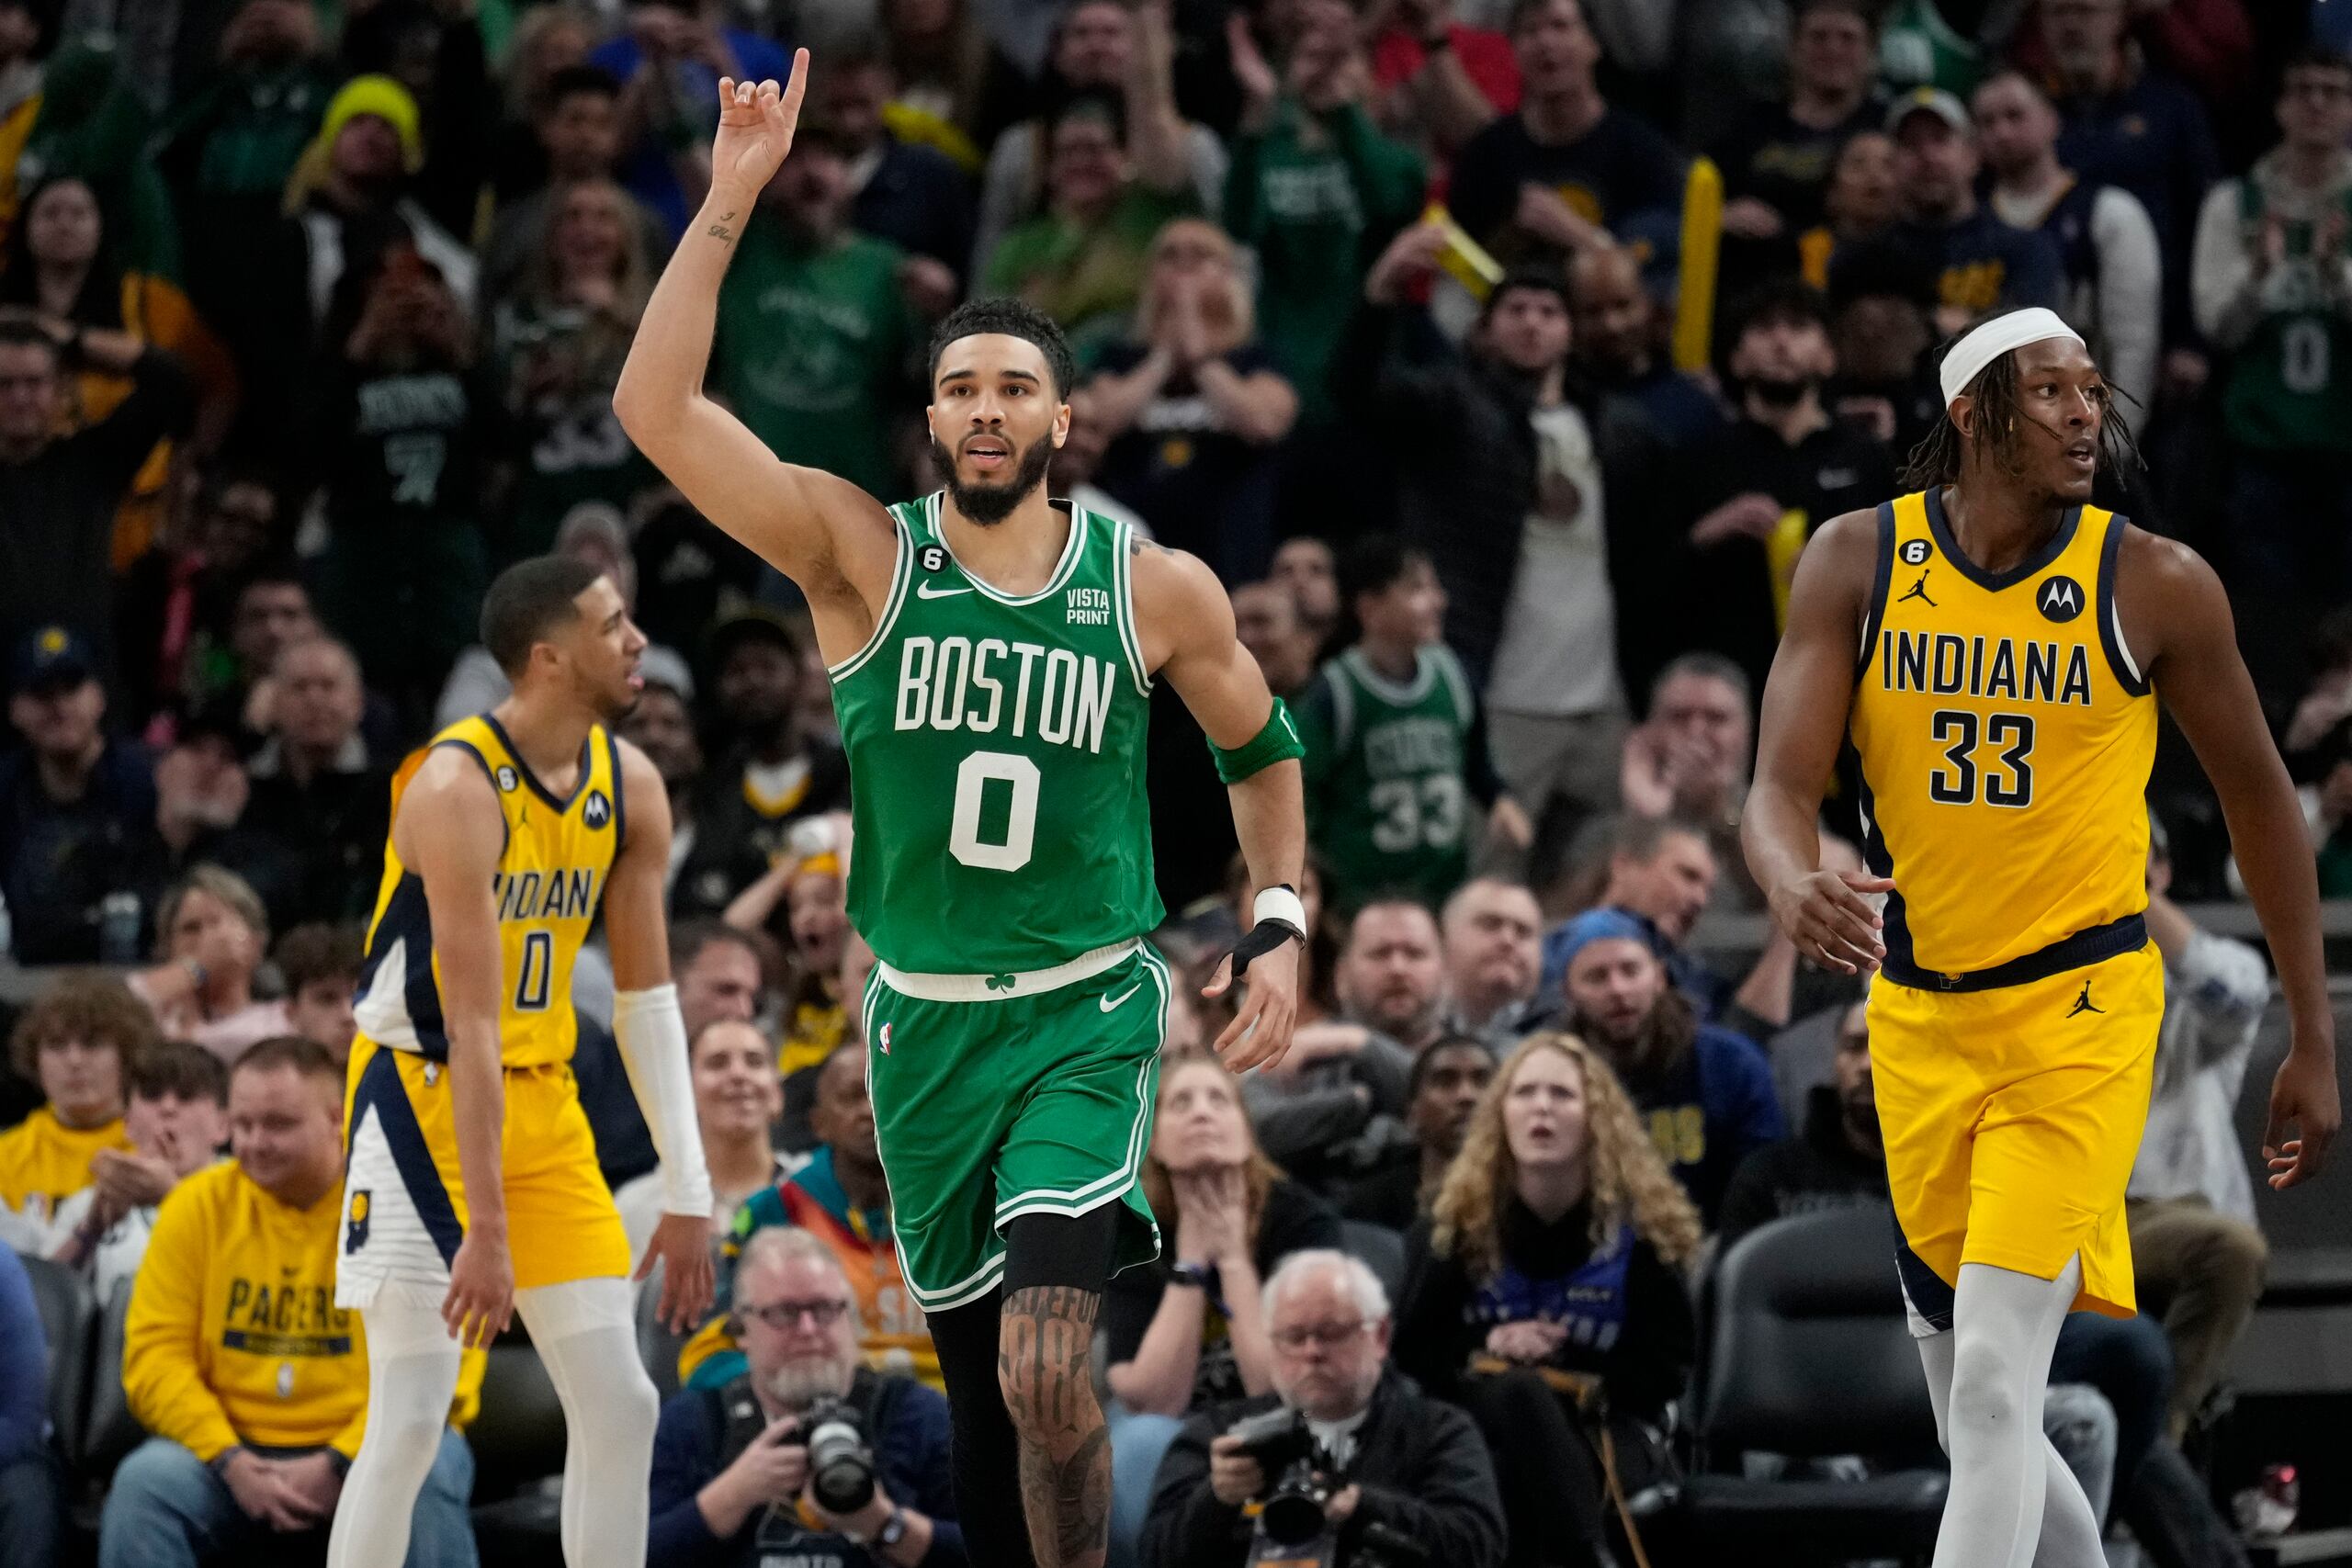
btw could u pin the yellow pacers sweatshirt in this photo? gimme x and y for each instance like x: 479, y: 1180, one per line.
x: 234, y: 1337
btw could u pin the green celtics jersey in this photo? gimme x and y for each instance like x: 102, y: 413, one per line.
x: 1385, y: 801
x: 2290, y: 386
x: 995, y: 756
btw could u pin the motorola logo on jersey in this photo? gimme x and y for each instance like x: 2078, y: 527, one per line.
x: 508, y: 779
x: 1915, y: 552
x: 598, y: 810
x: 2059, y: 599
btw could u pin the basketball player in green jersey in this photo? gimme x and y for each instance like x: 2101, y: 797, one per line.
x: 991, y: 652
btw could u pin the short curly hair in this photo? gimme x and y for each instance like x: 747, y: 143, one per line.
x: 1012, y: 318
x: 91, y: 1009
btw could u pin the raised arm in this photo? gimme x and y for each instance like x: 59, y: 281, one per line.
x: 1827, y: 913
x: 1185, y: 622
x: 824, y: 533
x: 457, y: 861
x: 2174, y: 611
x: 650, y: 1032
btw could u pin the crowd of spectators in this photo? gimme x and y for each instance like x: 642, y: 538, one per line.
x: 1499, y: 355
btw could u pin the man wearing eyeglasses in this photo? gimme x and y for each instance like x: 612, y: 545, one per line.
x: 730, y: 1464
x: 1391, y: 1456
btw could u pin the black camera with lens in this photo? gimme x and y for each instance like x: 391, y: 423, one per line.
x: 841, y: 1476
x: 841, y: 1462
x: 1300, y: 1476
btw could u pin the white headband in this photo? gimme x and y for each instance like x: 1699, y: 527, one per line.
x: 1996, y: 337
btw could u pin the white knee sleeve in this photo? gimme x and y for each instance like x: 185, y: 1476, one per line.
x: 586, y: 1338
x: 2004, y: 1325
x: 412, y: 1374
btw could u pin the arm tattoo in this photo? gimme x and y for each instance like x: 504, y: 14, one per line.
x: 1044, y: 1362
x: 719, y: 230
x: 1137, y: 543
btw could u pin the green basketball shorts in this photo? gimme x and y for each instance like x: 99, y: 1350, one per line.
x: 1037, y: 1102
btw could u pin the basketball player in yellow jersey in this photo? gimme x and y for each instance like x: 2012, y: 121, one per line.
x: 472, y: 1190
x: 1997, y: 645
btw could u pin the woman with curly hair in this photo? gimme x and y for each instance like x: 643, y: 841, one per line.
x: 1546, y: 1275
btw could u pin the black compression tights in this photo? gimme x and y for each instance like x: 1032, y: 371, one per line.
x: 1040, y: 1250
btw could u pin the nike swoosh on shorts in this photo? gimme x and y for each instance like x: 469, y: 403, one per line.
x: 1111, y: 1003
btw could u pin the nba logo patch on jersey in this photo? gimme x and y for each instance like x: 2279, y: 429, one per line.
x: 882, y: 1041
x: 355, y: 1236
x: 2059, y: 599
x: 509, y: 781
x: 599, y: 809
x: 285, y: 1380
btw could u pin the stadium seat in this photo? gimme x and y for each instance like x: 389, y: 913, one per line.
x: 1380, y: 1250
x: 517, y: 1440
x: 657, y: 1346
x: 112, y: 1431
x: 1803, y: 1351
x: 69, y: 1319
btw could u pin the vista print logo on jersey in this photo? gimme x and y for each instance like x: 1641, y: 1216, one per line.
x: 2059, y: 599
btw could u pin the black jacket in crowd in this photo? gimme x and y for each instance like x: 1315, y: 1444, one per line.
x: 1456, y: 432
x: 1422, y: 1467
x: 1818, y: 1170
x: 57, y: 513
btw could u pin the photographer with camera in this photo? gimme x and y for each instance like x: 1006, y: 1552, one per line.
x: 806, y: 1457
x: 1345, y: 1464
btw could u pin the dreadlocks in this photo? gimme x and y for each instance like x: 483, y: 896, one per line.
x: 2001, y: 426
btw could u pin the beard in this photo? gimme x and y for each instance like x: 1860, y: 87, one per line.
x: 1775, y: 392
x: 797, y: 1384
x: 989, y: 505
x: 1643, y: 1056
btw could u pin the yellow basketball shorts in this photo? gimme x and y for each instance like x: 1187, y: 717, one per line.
x: 2011, y: 1118
x: 404, y: 1198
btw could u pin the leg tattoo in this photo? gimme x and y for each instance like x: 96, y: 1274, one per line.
x: 1044, y: 1362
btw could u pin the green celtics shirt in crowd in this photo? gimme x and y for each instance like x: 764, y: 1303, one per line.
x: 1385, y: 801
x: 996, y: 752
x: 2289, y: 383
x: 1087, y: 274
x: 814, y: 348
x: 1916, y: 47
x: 1315, y: 197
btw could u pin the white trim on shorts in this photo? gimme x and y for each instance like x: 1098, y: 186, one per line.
x: 1004, y: 987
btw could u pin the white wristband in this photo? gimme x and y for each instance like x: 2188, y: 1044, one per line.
x: 1281, y: 904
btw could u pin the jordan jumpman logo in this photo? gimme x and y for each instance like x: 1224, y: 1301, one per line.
x: 2082, y: 1002
x: 1919, y: 590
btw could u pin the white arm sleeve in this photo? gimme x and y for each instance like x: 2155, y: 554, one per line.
x: 652, y: 1034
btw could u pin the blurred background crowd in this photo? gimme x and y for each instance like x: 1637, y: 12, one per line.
x: 1499, y: 355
